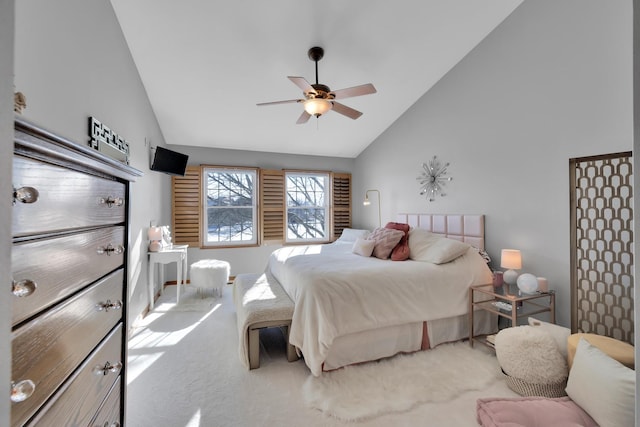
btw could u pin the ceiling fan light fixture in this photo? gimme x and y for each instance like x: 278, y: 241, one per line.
x: 317, y: 106
x: 319, y: 98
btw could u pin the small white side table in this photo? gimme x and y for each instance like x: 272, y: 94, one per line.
x: 177, y: 254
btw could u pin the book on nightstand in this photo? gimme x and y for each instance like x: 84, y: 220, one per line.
x: 491, y: 339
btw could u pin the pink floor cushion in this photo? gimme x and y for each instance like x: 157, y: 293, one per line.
x: 532, y: 412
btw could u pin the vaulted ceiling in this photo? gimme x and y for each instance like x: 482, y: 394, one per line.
x: 206, y: 64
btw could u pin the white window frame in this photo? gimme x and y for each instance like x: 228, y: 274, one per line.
x: 325, y: 206
x: 253, y: 172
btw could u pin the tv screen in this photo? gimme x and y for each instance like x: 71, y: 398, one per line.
x: 170, y: 162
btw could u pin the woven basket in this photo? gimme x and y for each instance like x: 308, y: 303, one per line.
x: 524, y: 388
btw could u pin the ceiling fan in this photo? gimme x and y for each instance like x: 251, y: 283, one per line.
x: 319, y: 99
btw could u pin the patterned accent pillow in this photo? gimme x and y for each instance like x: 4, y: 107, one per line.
x: 401, y: 251
x: 485, y: 256
x: 386, y: 239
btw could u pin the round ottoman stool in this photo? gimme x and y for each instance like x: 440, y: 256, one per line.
x: 210, y: 274
x: 616, y: 349
x: 531, y: 361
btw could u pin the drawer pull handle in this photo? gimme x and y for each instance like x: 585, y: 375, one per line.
x: 108, y: 367
x: 112, y: 201
x: 109, y: 424
x: 106, y: 306
x: 23, y: 288
x: 109, y: 249
x: 25, y: 195
x: 22, y: 390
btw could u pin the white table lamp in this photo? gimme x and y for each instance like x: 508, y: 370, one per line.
x: 154, y: 235
x: 511, y: 259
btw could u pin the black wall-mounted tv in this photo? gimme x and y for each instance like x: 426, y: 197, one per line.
x: 170, y: 162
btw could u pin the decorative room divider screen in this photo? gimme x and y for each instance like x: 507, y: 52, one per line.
x: 602, y: 245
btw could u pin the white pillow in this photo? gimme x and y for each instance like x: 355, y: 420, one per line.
x: 446, y: 250
x: 602, y: 386
x: 363, y: 247
x: 560, y: 334
x: 426, y: 246
x: 419, y: 241
x: 352, y: 234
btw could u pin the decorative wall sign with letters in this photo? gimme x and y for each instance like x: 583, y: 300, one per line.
x: 108, y: 142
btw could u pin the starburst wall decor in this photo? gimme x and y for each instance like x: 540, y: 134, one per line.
x: 433, y: 179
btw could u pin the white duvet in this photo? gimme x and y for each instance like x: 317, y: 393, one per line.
x: 337, y: 292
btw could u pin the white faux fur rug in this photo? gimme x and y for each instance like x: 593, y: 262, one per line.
x: 402, y: 382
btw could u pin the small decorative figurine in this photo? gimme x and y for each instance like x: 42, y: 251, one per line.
x: 19, y: 102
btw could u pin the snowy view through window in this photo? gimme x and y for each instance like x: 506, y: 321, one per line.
x: 232, y: 201
x: 231, y: 206
x: 307, y: 206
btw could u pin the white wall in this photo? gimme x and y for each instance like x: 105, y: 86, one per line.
x: 552, y: 82
x: 254, y: 259
x: 72, y: 62
x: 6, y: 153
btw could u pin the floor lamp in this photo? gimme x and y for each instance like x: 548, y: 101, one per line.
x: 367, y: 202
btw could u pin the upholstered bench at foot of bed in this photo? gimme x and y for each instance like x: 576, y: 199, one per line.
x: 260, y: 303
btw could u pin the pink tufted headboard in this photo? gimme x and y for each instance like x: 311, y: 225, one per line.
x: 466, y: 228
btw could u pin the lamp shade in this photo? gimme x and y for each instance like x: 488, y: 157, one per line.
x: 511, y: 259
x: 317, y: 106
x: 154, y: 233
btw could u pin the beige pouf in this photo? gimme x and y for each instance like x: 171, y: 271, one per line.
x: 210, y: 274
x: 531, y: 361
x: 616, y: 349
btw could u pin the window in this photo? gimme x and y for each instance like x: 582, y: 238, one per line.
x: 230, y: 206
x: 214, y: 206
x: 307, y: 196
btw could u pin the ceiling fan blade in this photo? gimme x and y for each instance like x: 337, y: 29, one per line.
x: 346, y: 111
x: 288, y: 101
x: 350, y: 92
x: 304, y: 118
x: 303, y: 84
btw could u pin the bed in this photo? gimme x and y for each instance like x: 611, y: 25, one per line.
x: 351, y: 308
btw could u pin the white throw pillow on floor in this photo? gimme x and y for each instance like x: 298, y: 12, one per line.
x: 602, y: 386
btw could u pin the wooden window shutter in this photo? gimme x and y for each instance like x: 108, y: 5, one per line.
x: 341, y: 203
x: 186, y: 207
x: 272, y: 209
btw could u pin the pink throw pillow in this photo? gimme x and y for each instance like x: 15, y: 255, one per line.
x: 531, y: 411
x: 386, y: 239
x: 401, y: 251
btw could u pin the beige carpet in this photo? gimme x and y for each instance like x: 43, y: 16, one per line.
x: 191, y: 299
x: 184, y: 371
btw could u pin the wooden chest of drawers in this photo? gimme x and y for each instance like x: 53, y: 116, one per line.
x: 68, y: 264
